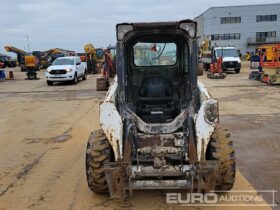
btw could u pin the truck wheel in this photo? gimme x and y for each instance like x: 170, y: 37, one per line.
x: 75, y: 80
x: 221, y: 149
x: 85, y: 75
x: 49, y: 83
x: 98, y: 152
x: 237, y: 71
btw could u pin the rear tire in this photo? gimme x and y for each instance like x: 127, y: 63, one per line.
x: 85, y: 75
x: 270, y: 81
x: 221, y: 149
x: 98, y: 152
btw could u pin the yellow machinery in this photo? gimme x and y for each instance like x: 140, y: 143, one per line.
x: 205, y: 54
x: 271, y: 63
x: 50, y: 55
x: 269, y: 51
x: 91, y: 58
x: 205, y: 48
x: 248, y: 56
x: 31, y: 63
x: 47, y: 57
x: 20, y: 56
x: 27, y: 61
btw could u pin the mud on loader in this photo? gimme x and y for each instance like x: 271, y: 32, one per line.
x: 159, y: 125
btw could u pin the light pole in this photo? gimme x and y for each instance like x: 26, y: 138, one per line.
x: 27, y: 43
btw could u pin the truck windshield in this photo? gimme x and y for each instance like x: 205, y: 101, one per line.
x: 155, y: 54
x: 63, y: 61
x: 226, y: 53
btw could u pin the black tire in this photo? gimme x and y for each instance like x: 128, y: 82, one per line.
x: 85, y: 75
x: 270, y: 80
x: 200, y: 69
x: 221, y: 149
x: 98, y: 152
x: 205, y: 67
x: 237, y: 71
x: 49, y: 83
x: 75, y: 79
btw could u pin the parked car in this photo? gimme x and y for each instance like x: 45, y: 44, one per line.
x: 66, y: 69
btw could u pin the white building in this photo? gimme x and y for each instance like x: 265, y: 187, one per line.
x: 244, y: 27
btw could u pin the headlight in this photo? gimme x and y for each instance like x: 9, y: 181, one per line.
x: 69, y: 70
x: 189, y: 27
x: 122, y: 29
x: 48, y: 70
x: 212, y: 111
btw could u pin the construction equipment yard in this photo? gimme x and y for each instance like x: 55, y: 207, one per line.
x: 44, y: 131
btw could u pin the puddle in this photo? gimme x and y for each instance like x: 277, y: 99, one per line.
x: 62, y: 138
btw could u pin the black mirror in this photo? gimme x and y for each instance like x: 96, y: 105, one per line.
x: 77, y: 64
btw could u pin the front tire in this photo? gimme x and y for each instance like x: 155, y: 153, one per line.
x: 237, y: 71
x: 221, y: 149
x: 98, y: 152
x: 49, y: 83
x: 75, y: 79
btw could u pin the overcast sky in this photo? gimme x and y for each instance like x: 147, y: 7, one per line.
x: 69, y: 24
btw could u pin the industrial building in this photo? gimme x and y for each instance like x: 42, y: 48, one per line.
x: 244, y: 27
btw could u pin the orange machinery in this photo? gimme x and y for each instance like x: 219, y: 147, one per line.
x: 271, y: 64
x: 216, y: 71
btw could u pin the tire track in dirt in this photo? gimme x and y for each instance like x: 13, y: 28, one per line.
x: 65, y: 171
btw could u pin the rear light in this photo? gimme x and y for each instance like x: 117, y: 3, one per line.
x: 122, y: 29
x: 212, y: 111
x: 189, y: 27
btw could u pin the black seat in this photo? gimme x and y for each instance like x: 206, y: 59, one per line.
x: 155, y: 89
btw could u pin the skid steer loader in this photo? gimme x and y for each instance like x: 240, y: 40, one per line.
x: 159, y: 125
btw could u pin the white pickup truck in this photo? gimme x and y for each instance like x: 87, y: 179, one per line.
x: 66, y: 69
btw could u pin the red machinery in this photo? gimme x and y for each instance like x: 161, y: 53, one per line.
x: 216, y: 71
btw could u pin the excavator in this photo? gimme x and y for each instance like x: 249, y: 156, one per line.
x: 20, y: 56
x: 205, y: 53
x: 216, y: 71
x: 27, y: 61
x: 91, y: 58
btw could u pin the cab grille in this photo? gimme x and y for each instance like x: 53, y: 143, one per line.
x: 61, y: 71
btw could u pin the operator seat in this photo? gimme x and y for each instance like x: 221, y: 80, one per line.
x: 156, y: 90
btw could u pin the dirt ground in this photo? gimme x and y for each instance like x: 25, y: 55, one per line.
x: 44, y: 130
